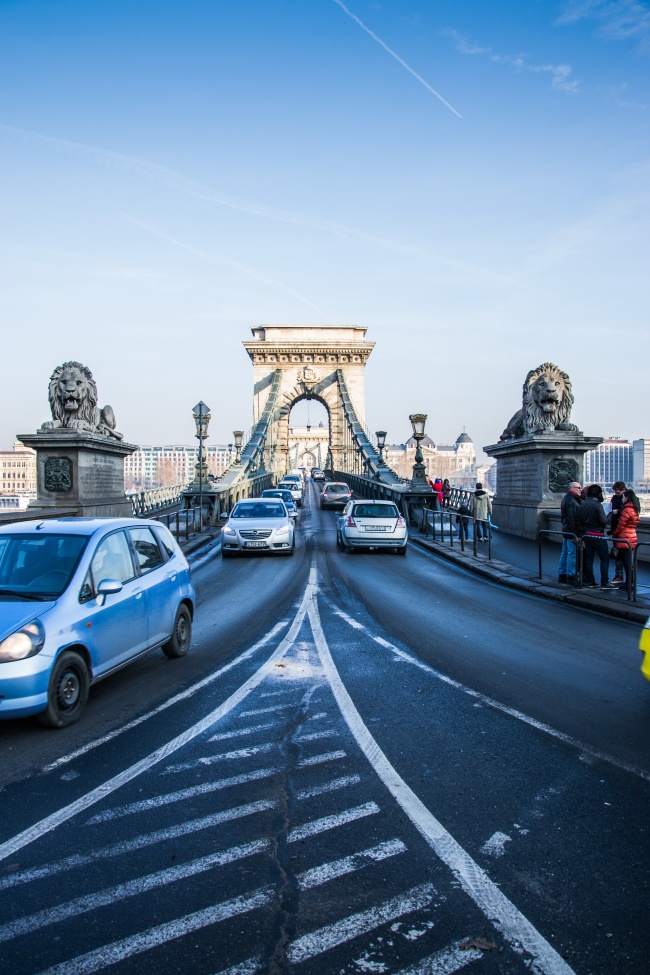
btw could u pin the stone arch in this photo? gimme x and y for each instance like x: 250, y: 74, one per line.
x: 308, y: 360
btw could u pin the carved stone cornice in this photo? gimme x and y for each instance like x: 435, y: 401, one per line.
x: 315, y: 354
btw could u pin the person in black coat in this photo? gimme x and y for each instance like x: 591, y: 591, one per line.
x: 569, y: 511
x: 591, y: 519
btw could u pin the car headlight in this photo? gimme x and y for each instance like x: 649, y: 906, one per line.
x: 228, y: 531
x: 25, y: 642
x: 283, y: 531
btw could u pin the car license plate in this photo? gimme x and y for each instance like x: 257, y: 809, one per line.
x: 376, y: 528
x: 254, y: 544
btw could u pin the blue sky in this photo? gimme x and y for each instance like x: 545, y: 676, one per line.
x: 468, y: 180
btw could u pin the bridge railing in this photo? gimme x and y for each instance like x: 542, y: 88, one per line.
x: 144, y: 503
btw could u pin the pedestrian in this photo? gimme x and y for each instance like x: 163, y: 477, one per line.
x: 481, y: 508
x: 591, y: 519
x: 569, y: 510
x: 437, y: 487
x: 462, y: 519
x: 446, y: 492
x: 617, y: 503
x: 625, y: 530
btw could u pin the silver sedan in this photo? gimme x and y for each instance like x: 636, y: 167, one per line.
x: 258, y: 525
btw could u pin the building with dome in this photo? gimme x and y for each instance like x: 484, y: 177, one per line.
x: 456, y: 461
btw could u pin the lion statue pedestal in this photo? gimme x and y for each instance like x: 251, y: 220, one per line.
x: 79, y: 454
x: 539, y: 453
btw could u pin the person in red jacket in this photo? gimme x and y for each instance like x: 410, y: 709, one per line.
x: 625, y: 529
x: 437, y: 487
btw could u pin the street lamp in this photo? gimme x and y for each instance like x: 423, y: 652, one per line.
x: 239, y: 436
x: 381, y: 443
x: 201, y: 414
x: 419, y: 481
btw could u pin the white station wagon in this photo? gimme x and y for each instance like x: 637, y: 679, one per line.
x: 372, y: 524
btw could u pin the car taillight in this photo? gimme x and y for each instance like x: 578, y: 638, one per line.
x: 350, y: 522
x: 400, y: 522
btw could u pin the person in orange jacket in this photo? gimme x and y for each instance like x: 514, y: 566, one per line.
x: 625, y: 530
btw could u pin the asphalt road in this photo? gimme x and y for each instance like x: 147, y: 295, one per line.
x: 365, y: 764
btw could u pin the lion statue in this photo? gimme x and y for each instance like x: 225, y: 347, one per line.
x: 73, y: 400
x: 546, y: 404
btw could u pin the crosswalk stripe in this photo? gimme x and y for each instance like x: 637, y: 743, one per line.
x: 241, y: 732
x: 316, y: 942
x: 445, y: 962
x: 331, y: 822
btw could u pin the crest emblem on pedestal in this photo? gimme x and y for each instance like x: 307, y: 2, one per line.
x: 307, y: 378
x: 58, y: 475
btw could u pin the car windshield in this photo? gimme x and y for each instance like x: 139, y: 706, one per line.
x: 38, y: 566
x: 283, y: 495
x: 375, y: 511
x: 258, y: 511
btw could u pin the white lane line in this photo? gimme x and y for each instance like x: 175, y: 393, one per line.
x: 110, y: 954
x: 275, y: 709
x: 17, y: 842
x: 333, y: 786
x: 132, y: 888
x: 317, y: 759
x: 137, y: 843
x: 318, y: 717
x: 444, y: 962
x: 223, y: 757
x: 242, y: 732
x: 351, y: 927
x: 172, y: 700
x: 516, y: 928
x: 339, y: 868
x: 332, y: 822
x: 317, y: 735
x: 170, y: 797
x: 586, y: 750
x: 206, y: 787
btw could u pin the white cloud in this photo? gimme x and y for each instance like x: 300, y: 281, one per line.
x: 560, y: 73
x: 618, y: 20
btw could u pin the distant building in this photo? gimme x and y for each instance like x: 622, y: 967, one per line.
x: 610, y: 461
x: 641, y: 464
x: 163, y: 466
x: 18, y: 471
x: 456, y: 461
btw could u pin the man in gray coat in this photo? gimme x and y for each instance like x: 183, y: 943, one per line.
x: 481, y: 507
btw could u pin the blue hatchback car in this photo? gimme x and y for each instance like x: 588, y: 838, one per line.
x: 80, y: 598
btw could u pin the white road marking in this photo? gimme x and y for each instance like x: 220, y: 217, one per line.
x: 136, y: 843
x: 107, y: 955
x: 272, y: 710
x: 132, y: 888
x: 496, y: 845
x: 327, y: 757
x: 242, y: 732
x: 332, y: 822
x: 351, y: 927
x: 172, y: 700
x: 317, y: 735
x: 223, y: 757
x: 585, y: 750
x: 444, y: 962
x: 17, y: 842
x: 333, y: 786
x: 517, y: 929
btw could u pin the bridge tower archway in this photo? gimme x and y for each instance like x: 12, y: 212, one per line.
x: 296, y: 362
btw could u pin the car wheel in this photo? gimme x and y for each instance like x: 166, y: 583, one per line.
x: 179, y: 642
x: 338, y: 539
x: 402, y: 550
x: 67, y: 693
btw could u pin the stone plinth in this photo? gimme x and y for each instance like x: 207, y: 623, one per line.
x: 80, y: 472
x: 533, y: 474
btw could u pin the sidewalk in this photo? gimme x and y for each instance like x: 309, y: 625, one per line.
x: 515, y: 563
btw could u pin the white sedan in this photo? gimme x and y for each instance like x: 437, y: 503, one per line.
x: 258, y: 525
x: 372, y: 524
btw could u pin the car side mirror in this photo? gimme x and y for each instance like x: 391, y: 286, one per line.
x: 107, y: 587
x: 223, y: 516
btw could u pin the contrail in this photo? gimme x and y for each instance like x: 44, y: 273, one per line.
x: 397, y: 58
x: 226, y: 262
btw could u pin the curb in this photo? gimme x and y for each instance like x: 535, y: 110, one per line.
x: 199, y: 541
x: 520, y: 579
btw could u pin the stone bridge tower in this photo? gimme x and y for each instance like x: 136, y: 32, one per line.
x: 310, y: 360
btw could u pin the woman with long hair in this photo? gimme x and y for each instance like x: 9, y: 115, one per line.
x: 625, y: 530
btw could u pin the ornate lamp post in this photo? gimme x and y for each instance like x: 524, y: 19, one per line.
x: 238, y: 436
x: 381, y: 443
x: 419, y: 480
x: 201, y: 414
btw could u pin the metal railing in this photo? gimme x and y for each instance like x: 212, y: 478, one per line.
x: 455, y: 517
x: 632, y: 574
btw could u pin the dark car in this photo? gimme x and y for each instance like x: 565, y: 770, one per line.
x: 335, y: 494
